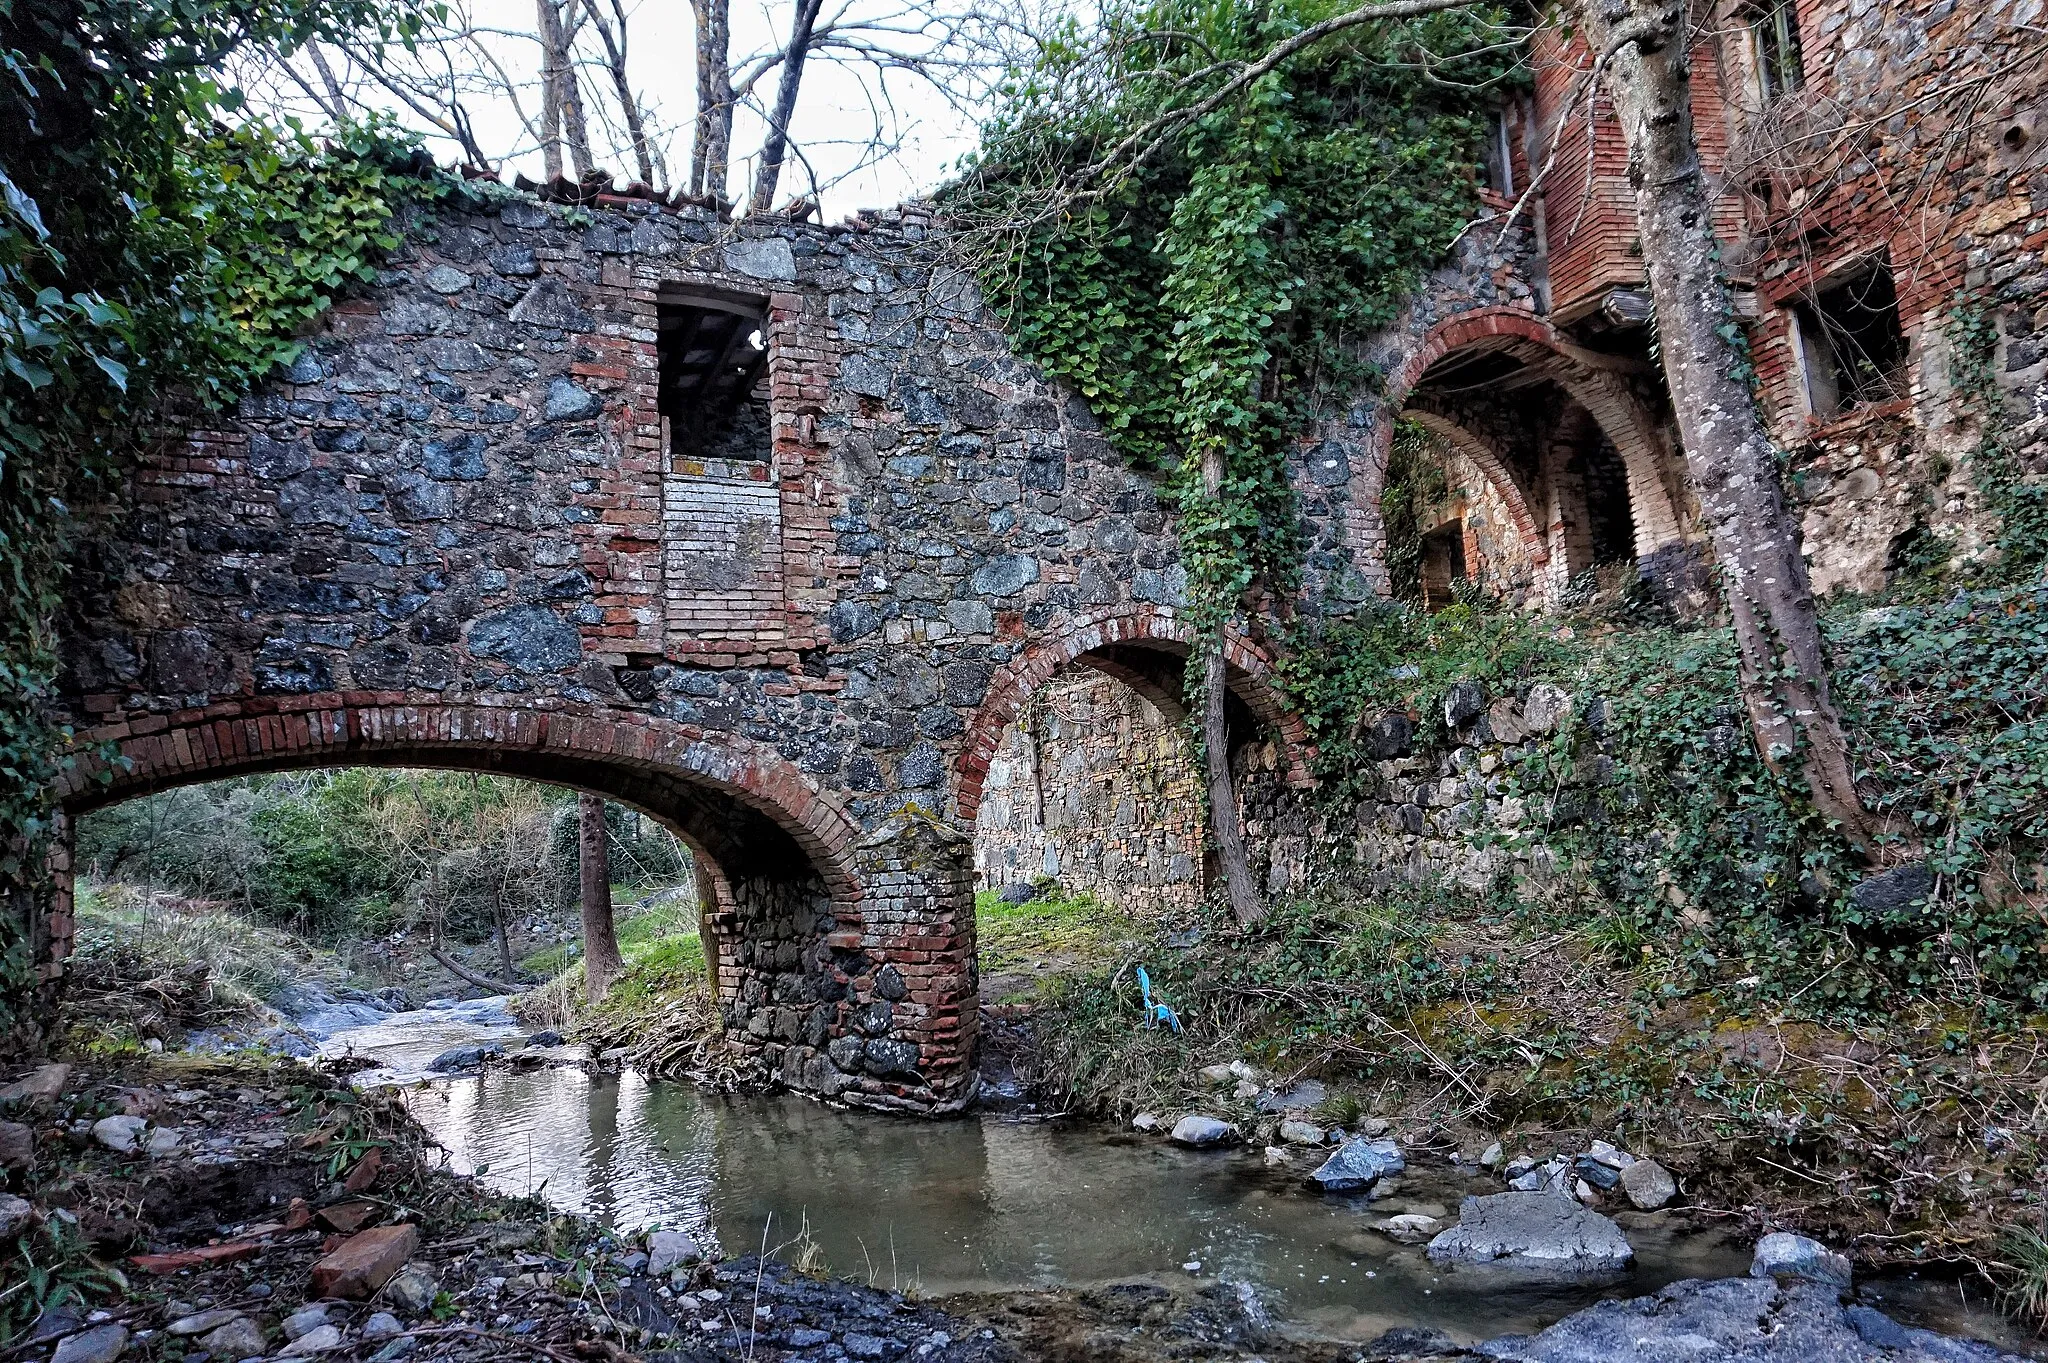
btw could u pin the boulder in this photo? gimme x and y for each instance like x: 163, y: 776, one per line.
x: 668, y: 1250
x: 1309, y: 1093
x: 124, y: 1134
x: 237, y: 1338
x: 363, y: 1263
x: 1534, y: 1232
x: 1782, y: 1254
x: 44, y: 1084
x: 1463, y: 703
x: 101, y: 1344
x: 1546, y: 708
x: 1358, y: 1164
x: 1203, y: 1131
x: 1736, y: 1318
x: 458, y: 1058
x: 1649, y: 1185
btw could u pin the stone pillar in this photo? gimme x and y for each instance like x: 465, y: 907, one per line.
x: 43, y: 915
x: 918, y: 1003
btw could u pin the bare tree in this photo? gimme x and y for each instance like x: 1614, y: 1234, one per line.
x: 612, y: 34
x: 601, y: 960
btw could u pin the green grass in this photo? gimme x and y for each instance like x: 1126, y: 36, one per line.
x: 1066, y: 929
x: 663, y: 955
x: 640, y: 935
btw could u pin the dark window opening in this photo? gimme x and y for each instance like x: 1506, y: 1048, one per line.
x: 1780, y: 66
x: 1499, y: 163
x: 1443, y: 565
x: 1853, y: 347
x: 1610, y: 524
x: 714, y: 360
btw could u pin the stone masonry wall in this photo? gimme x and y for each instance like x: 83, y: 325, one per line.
x: 459, y: 534
x: 1093, y: 787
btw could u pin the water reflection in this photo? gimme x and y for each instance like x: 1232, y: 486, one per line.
x: 977, y: 1205
x: 988, y: 1205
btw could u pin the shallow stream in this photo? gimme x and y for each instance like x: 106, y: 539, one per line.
x: 993, y: 1202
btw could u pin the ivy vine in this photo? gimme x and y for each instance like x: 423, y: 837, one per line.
x: 152, y: 254
x: 1213, y: 296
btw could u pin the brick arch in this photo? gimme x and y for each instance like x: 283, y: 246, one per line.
x: 1489, y: 463
x: 1112, y: 636
x: 1600, y: 390
x: 738, y: 802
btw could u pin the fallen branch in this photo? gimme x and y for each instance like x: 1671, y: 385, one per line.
x: 463, y: 972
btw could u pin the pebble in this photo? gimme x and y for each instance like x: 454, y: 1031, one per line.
x: 101, y: 1344
x: 237, y: 1339
x: 383, y: 1325
x: 15, y: 1213
x: 1146, y: 1121
x: 305, y: 1320
x: 313, y: 1342
x: 202, y: 1322
x: 412, y: 1291
x: 1301, y: 1133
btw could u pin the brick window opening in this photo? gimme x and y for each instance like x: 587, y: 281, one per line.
x: 1851, y: 345
x: 714, y: 362
x: 1443, y: 565
x: 1774, y: 38
x: 1498, y: 165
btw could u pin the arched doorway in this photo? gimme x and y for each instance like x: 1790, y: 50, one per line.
x: 1559, y: 438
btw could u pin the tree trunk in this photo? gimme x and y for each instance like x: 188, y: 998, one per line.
x: 554, y: 70
x: 711, y: 147
x: 1728, y: 451
x: 776, y: 146
x: 1224, y: 826
x: 601, y: 963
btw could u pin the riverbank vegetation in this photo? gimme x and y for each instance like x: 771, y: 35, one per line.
x: 382, y: 867
x: 1668, y: 954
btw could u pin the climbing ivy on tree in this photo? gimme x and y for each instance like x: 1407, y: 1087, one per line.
x: 153, y: 254
x: 1214, y: 293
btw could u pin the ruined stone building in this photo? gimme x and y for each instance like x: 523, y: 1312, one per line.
x: 761, y: 527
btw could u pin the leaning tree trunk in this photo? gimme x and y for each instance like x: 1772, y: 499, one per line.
x: 601, y: 963
x: 1224, y: 825
x: 775, y: 147
x: 1728, y: 452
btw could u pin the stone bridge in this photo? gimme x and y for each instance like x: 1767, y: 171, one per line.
x: 759, y: 528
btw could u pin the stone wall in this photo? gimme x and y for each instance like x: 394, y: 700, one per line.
x: 1093, y: 787
x: 464, y: 533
